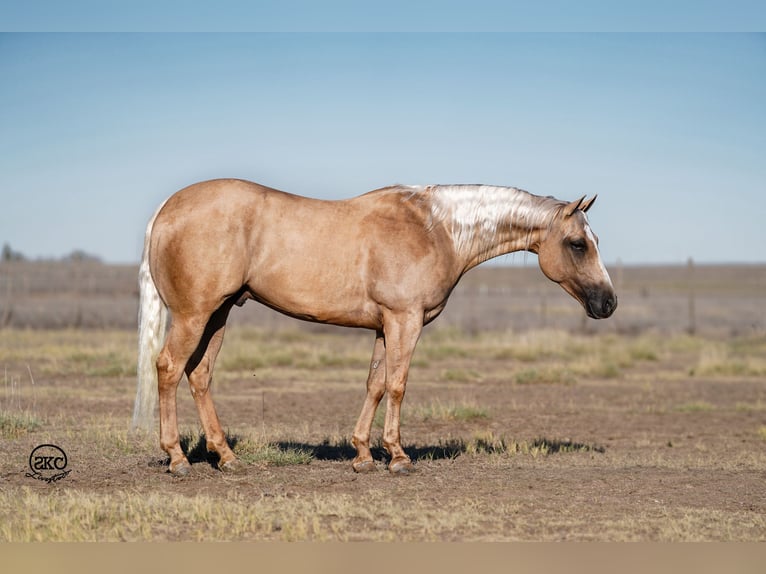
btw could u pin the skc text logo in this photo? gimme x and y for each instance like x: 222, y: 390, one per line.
x: 48, y: 463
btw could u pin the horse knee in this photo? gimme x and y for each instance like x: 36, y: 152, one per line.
x: 396, y: 393
x: 376, y: 393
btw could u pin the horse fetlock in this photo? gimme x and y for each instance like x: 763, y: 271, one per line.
x: 215, y: 441
x: 394, y: 446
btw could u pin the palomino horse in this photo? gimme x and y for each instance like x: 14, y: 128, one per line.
x: 387, y: 261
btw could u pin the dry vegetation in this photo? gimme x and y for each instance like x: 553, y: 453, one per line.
x: 618, y: 432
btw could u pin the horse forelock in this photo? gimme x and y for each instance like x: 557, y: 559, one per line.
x: 476, y: 214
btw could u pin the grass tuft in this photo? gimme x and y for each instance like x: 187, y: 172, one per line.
x: 732, y: 358
x: 452, y: 412
x: 488, y: 443
x: 15, y: 425
x: 695, y: 407
x: 253, y: 452
x: 461, y: 375
x: 545, y: 376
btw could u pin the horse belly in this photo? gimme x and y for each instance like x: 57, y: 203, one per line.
x: 319, y: 296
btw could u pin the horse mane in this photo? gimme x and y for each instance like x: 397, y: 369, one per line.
x: 474, y: 214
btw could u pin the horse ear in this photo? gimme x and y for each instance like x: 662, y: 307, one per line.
x: 589, y: 203
x: 573, y: 206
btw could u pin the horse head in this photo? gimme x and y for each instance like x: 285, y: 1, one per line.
x: 568, y: 255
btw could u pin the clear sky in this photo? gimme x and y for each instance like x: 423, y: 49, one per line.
x: 669, y: 129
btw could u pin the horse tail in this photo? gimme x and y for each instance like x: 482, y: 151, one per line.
x: 152, y: 320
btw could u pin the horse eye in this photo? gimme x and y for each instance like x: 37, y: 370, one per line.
x: 578, y: 245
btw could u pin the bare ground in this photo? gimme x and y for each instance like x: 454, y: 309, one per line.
x: 647, y: 437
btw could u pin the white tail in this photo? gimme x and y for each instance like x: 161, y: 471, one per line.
x: 152, y: 320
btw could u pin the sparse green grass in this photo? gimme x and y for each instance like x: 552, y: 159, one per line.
x: 735, y: 357
x: 461, y: 375
x: 17, y: 424
x: 545, y: 376
x: 756, y: 406
x: 17, y: 416
x: 249, y: 350
x: 728, y: 359
x: 762, y: 433
x: 695, y: 407
x: 501, y: 447
x: 71, y: 352
x: 644, y: 349
x: 466, y: 411
x: 548, y: 356
x: 430, y: 351
x: 252, y: 451
x: 446, y: 344
x: 489, y: 443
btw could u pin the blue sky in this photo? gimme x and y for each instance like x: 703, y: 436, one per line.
x: 669, y: 129
x: 392, y: 15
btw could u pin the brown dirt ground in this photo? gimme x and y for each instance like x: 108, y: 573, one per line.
x: 661, y: 455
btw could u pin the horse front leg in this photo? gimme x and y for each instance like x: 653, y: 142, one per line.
x: 402, y: 333
x: 376, y: 388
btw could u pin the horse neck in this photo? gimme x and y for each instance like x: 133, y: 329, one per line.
x: 485, y: 222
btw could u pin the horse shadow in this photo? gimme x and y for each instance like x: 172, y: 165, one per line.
x: 448, y: 450
x: 341, y: 451
x: 345, y: 451
x: 196, y: 451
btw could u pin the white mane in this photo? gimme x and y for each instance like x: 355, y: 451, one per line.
x: 474, y: 214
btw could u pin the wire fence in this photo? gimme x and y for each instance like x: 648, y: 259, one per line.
x: 706, y: 299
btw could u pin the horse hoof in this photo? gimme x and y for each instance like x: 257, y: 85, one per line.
x: 401, y: 467
x: 180, y: 470
x: 233, y: 466
x: 364, y: 466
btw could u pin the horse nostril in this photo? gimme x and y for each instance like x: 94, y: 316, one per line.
x: 600, y: 305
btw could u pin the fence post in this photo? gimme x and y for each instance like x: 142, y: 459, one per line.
x: 618, y: 288
x: 5, y: 321
x: 692, y: 329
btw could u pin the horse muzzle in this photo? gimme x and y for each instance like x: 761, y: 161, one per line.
x: 600, y: 304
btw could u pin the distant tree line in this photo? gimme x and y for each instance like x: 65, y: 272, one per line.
x: 9, y: 254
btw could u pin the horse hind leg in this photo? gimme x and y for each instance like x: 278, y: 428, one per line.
x: 199, y: 371
x: 182, y: 340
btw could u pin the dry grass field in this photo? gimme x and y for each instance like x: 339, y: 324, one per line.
x: 525, y: 421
